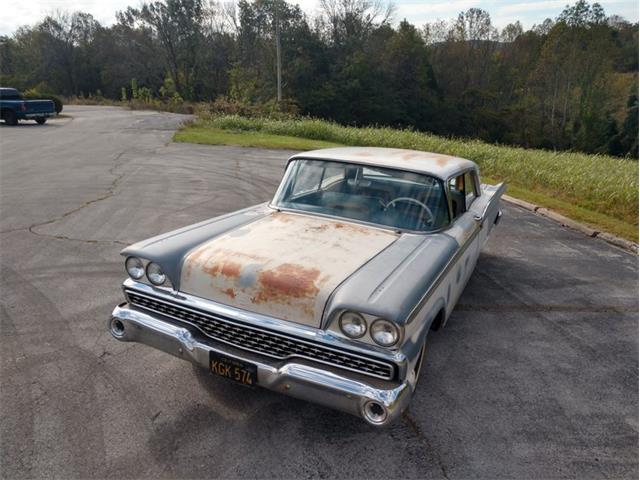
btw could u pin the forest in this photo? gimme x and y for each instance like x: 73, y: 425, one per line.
x: 569, y: 83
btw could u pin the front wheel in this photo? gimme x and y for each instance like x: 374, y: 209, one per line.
x: 10, y: 118
x: 41, y: 120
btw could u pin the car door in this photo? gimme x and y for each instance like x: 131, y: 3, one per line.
x: 486, y: 210
x: 463, y: 193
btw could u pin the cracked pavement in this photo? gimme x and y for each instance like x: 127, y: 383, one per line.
x: 535, y: 375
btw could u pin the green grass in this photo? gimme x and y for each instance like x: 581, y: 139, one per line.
x: 214, y: 136
x: 595, y: 189
x: 597, y: 220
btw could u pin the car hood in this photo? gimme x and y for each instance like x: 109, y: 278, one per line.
x: 284, y: 265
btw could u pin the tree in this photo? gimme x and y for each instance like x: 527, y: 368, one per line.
x: 410, y: 78
x: 177, y: 24
x: 568, y: 83
x: 628, y: 137
x: 570, y: 78
x: 511, y: 32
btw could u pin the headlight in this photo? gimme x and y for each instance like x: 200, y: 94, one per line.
x: 155, y: 274
x: 384, y: 333
x: 352, y: 324
x: 134, y: 267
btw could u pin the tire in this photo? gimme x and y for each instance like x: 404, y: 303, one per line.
x: 41, y: 120
x: 10, y: 117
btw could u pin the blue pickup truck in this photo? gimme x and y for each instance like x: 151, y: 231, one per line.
x: 13, y: 107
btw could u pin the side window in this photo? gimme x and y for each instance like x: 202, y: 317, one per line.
x: 470, y: 188
x: 456, y: 195
x: 462, y: 192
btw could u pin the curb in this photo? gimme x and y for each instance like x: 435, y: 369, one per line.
x: 567, y: 222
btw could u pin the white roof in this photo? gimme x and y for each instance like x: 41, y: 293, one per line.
x: 436, y: 164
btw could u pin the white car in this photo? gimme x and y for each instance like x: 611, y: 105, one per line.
x: 326, y: 293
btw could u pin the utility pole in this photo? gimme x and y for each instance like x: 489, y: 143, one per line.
x: 278, y: 56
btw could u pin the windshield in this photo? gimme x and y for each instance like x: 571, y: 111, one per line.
x: 384, y: 196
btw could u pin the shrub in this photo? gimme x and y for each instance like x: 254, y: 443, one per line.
x: 35, y: 95
x: 287, y: 109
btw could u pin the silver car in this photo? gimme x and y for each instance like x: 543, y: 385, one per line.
x: 328, y: 292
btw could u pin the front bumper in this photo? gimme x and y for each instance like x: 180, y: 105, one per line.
x: 293, y: 378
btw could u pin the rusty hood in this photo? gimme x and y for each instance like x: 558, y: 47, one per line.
x: 284, y: 265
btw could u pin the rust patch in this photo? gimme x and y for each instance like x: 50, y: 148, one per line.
x: 363, y: 154
x: 286, y: 282
x: 353, y: 228
x: 228, y: 269
x: 231, y: 269
x: 442, y: 161
x: 229, y: 292
x: 283, y: 217
x: 213, y: 270
x: 318, y: 228
x: 411, y: 155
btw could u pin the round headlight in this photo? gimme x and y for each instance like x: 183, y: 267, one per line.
x: 134, y: 267
x: 384, y: 333
x: 352, y: 324
x: 155, y: 274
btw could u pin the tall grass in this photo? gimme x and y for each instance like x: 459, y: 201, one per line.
x: 605, y: 184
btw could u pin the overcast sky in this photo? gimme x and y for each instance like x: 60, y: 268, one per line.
x: 16, y: 13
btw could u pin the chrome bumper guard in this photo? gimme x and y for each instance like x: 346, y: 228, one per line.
x: 378, y: 406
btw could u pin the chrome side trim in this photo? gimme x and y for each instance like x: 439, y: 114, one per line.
x: 381, y: 363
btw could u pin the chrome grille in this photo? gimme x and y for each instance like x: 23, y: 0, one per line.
x: 262, y: 341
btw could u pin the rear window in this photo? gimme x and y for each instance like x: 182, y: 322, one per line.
x: 10, y: 94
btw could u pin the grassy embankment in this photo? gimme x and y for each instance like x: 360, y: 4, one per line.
x: 597, y: 190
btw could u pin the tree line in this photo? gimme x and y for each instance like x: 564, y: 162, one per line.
x: 568, y: 83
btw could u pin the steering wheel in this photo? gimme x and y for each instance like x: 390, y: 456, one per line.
x: 430, y: 217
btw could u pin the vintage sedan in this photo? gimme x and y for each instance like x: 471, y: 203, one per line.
x: 326, y: 293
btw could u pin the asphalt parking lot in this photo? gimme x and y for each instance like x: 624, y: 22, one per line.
x: 535, y: 375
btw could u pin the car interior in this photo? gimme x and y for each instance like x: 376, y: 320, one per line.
x: 395, y: 198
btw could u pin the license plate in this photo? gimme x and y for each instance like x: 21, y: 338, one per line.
x: 236, y: 370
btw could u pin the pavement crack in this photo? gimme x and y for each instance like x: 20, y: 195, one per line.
x: 111, y: 189
x: 83, y: 240
x: 104, y: 354
x: 415, y: 428
x: 11, y: 230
